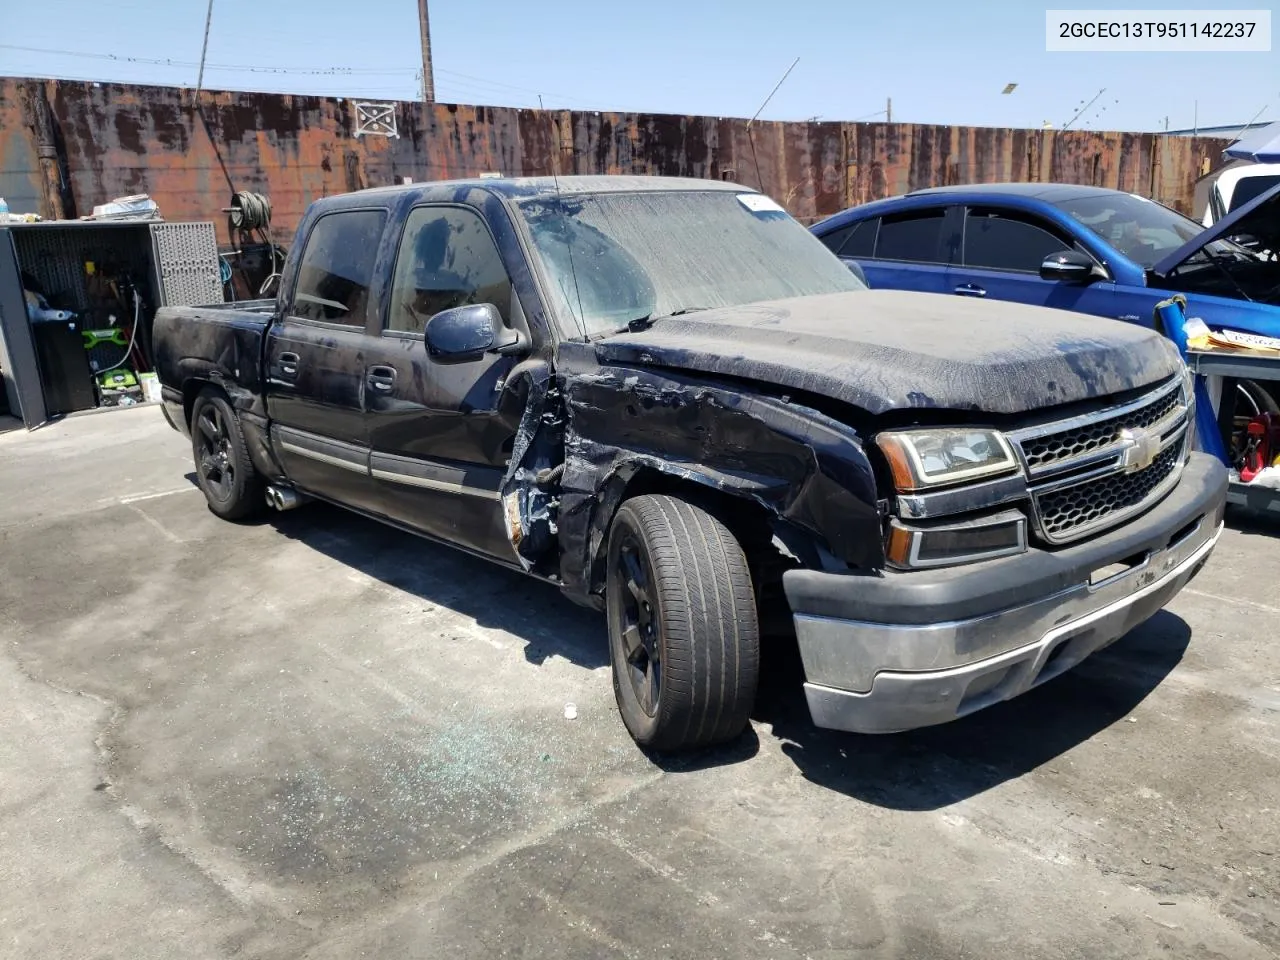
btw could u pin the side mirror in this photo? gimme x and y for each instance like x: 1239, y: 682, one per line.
x: 1069, y: 266
x: 464, y: 334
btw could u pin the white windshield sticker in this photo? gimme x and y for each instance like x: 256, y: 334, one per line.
x: 759, y: 203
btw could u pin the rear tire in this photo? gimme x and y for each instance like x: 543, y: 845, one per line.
x: 225, y: 473
x: 684, y: 637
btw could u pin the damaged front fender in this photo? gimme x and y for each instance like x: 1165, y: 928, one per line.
x: 801, y: 466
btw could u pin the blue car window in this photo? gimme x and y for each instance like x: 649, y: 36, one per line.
x: 862, y: 242
x: 1000, y: 240
x: 855, y: 240
x: 915, y: 237
x: 834, y: 240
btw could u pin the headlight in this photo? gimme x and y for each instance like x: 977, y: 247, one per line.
x: 934, y: 457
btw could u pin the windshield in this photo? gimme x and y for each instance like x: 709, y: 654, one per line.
x: 614, y: 258
x: 1143, y: 230
x: 1250, y: 188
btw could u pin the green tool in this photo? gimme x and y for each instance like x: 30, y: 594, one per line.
x: 93, y: 338
x: 122, y: 379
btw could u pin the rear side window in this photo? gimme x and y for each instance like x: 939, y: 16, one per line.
x: 913, y: 236
x: 337, y: 267
x: 836, y: 238
x: 1000, y: 240
x: 862, y: 242
x: 855, y: 240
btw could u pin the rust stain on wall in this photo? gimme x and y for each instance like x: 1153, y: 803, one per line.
x: 191, y: 152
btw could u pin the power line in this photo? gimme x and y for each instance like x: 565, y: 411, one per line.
x: 167, y: 62
x: 383, y: 92
x: 472, y: 80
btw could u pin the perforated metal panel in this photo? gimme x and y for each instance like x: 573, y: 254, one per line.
x: 187, y: 263
x: 54, y: 256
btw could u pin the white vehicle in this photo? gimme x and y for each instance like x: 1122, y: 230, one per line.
x: 1237, y: 186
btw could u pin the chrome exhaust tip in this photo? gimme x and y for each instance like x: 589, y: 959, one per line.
x: 282, y: 498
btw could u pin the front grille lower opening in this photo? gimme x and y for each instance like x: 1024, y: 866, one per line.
x: 1089, y: 504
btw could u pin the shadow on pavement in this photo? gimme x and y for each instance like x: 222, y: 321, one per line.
x: 495, y: 597
x: 1252, y: 523
x: 937, y: 766
x: 922, y: 770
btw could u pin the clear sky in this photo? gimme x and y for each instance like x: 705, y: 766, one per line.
x: 940, y: 62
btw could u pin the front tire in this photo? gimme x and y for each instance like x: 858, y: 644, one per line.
x: 684, y: 636
x: 224, y: 471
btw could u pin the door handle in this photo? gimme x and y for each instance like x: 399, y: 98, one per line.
x: 970, y: 290
x: 289, y: 364
x: 382, y: 379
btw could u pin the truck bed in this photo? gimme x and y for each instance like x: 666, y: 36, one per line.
x: 219, y: 343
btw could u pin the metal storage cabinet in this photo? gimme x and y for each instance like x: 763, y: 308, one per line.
x: 175, y: 263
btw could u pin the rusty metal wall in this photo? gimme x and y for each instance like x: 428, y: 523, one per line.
x: 191, y: 153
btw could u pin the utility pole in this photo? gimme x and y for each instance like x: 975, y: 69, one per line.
x: 888, y: 109
x: 428, y: 78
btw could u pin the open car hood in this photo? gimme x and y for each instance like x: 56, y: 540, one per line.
x: 1259, y: 218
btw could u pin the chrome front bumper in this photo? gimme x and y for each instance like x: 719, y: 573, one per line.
x: 872, y: 676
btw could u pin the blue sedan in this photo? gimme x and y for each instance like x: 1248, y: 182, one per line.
x: 1098, y: 251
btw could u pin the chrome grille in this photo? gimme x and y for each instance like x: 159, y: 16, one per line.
x: 1088, y: 505
x: 1094, y: 471
x: 1054, y: 447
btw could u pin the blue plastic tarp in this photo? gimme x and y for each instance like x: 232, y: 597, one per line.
x: 1261, y: 146
x: 1171, y: 318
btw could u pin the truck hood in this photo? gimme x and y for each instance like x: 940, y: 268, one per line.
x: 883, y: 350
x: 1260, y: 217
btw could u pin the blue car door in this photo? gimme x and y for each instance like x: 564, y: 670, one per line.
x: 1001, y: 253
x: 906, y: 251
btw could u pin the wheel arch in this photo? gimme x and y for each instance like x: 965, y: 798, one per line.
x: 254, y: 427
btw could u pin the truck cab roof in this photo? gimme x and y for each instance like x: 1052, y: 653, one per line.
x: 520, y: 188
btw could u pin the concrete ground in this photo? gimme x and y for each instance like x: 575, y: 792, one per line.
x: 316, y: 737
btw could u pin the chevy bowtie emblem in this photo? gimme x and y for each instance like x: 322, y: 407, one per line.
x: 1139, y: 449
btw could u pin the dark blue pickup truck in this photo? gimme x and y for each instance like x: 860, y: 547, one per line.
x: 668, y: 398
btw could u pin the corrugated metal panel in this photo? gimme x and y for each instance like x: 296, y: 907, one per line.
x: 19, y: 163
x: 190, y: 154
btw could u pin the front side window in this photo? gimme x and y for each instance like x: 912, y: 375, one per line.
x: 336, y: 269
x: 447, y: 259
x: 1003, y: 241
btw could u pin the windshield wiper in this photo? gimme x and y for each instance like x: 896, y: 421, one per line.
x: 647, y: 321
